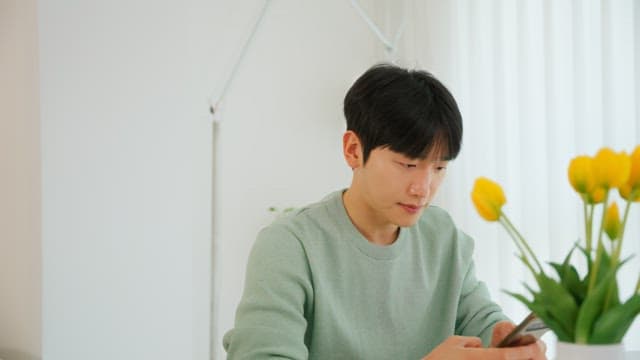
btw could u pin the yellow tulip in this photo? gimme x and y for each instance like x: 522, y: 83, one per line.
x: 488, y: 198
x: 634, y: 176
x: 633, y: 183
x: 612, y: 225
x: 611, y: 169
x: 625, y: 192
x: 581, y: 174
x: 596, y: 195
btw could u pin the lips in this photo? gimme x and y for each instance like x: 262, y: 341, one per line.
x: 410, y: 208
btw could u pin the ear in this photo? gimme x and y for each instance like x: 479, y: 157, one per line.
x: 352, y: 149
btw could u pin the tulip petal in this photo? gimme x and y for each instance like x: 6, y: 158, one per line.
x: 488, y: 198
x: 581, y: 174
x: 612, y: 226
x: 634, y: 175
x: 611, y: 169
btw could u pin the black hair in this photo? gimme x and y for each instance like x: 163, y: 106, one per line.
x: 409, y: 111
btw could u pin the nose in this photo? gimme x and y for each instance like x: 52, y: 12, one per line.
x: 421, y: 185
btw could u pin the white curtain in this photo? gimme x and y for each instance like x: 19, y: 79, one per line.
x: 538, y: 82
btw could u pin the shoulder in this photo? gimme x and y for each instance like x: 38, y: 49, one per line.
x: 302, y: 215
x: 296, y: 228
x: 308, y: 220
x: 278, y: 259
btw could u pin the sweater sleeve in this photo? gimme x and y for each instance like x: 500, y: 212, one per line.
x: 270, y: 320
x: 477, y: 313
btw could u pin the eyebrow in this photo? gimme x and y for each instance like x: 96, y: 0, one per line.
x: 443, y: 158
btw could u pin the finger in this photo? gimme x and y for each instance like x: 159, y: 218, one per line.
x: 542, y: 348
x: 503, y: 328
x: 534, y: 350
x: 537, y: 347
x: 465, y: 341
x: 513, y: 353
x: 524, y: 340
x: 500, y: 331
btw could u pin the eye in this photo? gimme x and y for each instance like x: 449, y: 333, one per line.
x: 406, y: 165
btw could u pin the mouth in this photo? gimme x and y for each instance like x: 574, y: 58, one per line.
x: 410, y: 208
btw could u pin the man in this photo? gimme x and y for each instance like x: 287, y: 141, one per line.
x: 374, y: 271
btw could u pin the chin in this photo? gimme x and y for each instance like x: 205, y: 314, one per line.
x: 408, y: 222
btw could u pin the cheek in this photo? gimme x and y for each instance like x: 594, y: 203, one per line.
x: 435, y: 185
x: 387, y: 190
x: 395, y: 189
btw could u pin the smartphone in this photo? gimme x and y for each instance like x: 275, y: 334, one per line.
x: 527, y: 332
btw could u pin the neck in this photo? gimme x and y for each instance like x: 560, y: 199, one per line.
x: 365, y: 220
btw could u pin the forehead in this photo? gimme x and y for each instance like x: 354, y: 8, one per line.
x: 436, y: 151
x: 434, y: 154
x: 426, y: 147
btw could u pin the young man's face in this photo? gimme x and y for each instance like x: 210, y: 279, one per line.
x: 393, y: 189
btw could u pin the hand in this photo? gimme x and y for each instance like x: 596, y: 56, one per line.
x: 503, y: 328
x: 500, y: 331
x: 470, y: 348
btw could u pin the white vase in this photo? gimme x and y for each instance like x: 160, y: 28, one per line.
x: 569, y: 351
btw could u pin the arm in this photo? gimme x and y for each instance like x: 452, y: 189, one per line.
x: 477, y: 313
x: 270, y: 320
x: 481, y: 321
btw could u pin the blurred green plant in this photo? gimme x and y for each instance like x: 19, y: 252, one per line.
x: 280, y: 212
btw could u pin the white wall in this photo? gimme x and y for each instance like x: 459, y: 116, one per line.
x: 281, y: 124
x: 127, y: 151
x: 20, y: 246
x: 126, y: 170
x: 127, y: 154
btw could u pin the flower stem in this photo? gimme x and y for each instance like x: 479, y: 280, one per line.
x: 523, y: 242
x: 590, y: 231
x: 615, y: 253
x: 587, y: 222
x: 523, y: 255
x: 627, y: 207
x: 618, y: 248
x: 600, y: 249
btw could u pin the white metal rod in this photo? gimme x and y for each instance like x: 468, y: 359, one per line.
x: 234, y: 70
x: 372, y: 25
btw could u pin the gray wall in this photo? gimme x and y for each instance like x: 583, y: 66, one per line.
x: 20, y: 245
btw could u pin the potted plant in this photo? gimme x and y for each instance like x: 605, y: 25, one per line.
x: 584, y: 311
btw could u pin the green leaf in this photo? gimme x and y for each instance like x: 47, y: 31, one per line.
x: 605, y: 266
x: 592, y: 308
x: 559, y: 268
x: 586, y: 255
x: 534, y: 293
x: 520, y: 298
x: 614, y: 299
x: 558, y: 302
x: 611, y: 327
x: 570, y: 279
x: 541, y: 311
x: 552, y: 323
x: 562, y: 269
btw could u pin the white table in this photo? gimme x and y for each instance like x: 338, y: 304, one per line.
x: 632, y: 355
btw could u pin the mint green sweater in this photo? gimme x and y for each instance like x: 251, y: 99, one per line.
x: 316, y: 288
